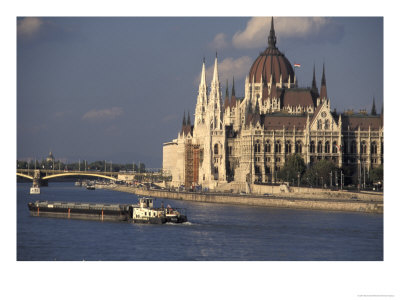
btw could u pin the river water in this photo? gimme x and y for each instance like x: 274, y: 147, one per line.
x: 214, y: 232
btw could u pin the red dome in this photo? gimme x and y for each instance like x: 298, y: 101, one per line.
x: 271, y: 62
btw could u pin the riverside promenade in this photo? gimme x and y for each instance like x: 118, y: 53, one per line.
x: 317, y: 200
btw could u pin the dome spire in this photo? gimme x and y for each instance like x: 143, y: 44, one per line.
x: 272, y: 37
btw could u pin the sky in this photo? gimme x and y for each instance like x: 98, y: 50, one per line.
x: 116, y: 88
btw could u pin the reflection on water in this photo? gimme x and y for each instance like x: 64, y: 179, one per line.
x: 214, y: 232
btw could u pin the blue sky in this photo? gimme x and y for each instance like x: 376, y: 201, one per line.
x: 116, y: 88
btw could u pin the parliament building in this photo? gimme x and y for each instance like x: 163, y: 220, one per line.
x: 247, y: 139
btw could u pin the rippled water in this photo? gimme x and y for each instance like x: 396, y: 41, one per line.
x: 214, y: 232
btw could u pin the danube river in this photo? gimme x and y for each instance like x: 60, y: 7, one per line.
x: 214, y: 232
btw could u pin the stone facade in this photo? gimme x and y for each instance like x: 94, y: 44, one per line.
x: 247, y: 140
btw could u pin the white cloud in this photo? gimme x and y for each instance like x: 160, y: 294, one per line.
x: 29, y: 27
x: 104, y: 114
x: 257, y: 30
x: 228, y: 68
x: 219, y: 41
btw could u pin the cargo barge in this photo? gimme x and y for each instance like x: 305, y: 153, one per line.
x: 144, y: 212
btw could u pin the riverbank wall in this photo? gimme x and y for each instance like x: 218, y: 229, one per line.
x: 370, y: 203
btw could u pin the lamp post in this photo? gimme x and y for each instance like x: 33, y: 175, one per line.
x: 341, y: 179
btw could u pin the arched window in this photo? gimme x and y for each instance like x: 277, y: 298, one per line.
x: 278, y: 147
x: 298, y: 148
x: 353, y: 147
x: 374, y: 148
x: 257, y: 147
x: 312, y: 147
x: 319, y: 124
x: 334, y: 147
x: 319, y: 147
x: 288, y: 147
x: 327, y: 147
x: 216, y: 149
x: 363, y: 147
x: 267, y: 147
x: 326, y: 124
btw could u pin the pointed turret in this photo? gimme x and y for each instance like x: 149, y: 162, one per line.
x: 256, y: 115
x: 188, y: 126
x: 188, y: 122
x: 233, y: 96
x: 314, y: 88
x: 324, y: 94
x: 373, y: 110
x: 227, y: 102
x: 273, y: 92
x: 272, y: 37
x: 215, y: 74
x: 183, y: 129
x: 202, y: 97
x: 214, y: 105
x: 203, y: 74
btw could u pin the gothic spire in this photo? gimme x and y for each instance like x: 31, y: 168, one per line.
x: 314, y: 83
x: 215, y: 75
x: 324, y: 93
x: 272, y: 37
x: 226, y: 103
x: 233, y: 86
x: 203, y: 74
x: 373, y: 110
x: 183, y: 129
x: 233, y: 96
x: 323, y: 81
x: 188, y: 122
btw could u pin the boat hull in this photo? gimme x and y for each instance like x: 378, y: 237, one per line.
x: 176, y: 219
x: 72, y: 212
x: 150, y: 221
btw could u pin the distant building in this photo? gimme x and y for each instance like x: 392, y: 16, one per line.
x: 124, y: 177
x: 248, y: 139
x: 50, y: 157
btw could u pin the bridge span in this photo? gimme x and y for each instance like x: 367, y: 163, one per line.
x: 41, y: 176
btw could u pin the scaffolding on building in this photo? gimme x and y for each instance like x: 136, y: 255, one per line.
x: 191, y: 164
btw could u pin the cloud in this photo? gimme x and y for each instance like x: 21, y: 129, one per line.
x: 229, y: 68
x: 219, y: 41
x: 168, y: 118
x: 256, y: 32
x: 104, y: 114
x: 29, y: 27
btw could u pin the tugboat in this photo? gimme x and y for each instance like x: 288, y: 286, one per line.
x: 147, y: 213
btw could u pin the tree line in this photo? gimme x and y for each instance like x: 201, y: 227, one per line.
x: 324, y: 173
